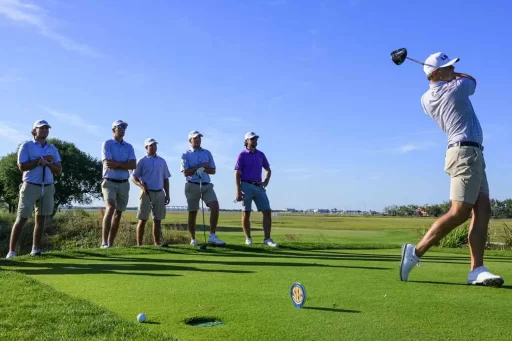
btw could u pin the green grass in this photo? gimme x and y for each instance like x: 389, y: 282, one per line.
x: 35, y: 311
x: 352, y: 294
x: 349, y: 269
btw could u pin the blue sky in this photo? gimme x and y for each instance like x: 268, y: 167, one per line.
x: 341, y: 125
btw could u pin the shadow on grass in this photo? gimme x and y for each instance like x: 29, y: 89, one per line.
x: 461, y: 284
x: 333, y: 310
x: 224, y: 262
x: 137, y: 269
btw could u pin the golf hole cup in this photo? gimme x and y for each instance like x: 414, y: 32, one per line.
x: 298, y: 295
x: 141, y: 317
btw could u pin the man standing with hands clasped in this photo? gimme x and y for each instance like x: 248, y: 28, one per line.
x: 447, y: 103
x: 118, y: 158
x: 197, y: 165
x: 152, y: 176
x: 39, y: 161
x: 249, y: 187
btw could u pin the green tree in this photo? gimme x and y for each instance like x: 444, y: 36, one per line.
x: 10, y: 180
x: 79, y: 182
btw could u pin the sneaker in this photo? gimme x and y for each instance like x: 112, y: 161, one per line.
x: 35, y: 252
x: 482, y: 276
x: 212, y: 239
x: 194, y: 242
x: 270, y: 242
x: 10, y: 255
x: 409, y: 260
x: 104, y: 245
x: 248, y: 241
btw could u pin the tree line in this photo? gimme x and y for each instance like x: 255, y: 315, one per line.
x: 501, y: 209
x: 79, y: 181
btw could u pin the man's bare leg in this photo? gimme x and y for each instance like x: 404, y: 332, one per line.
x: 267, y: 223
x: 246, y: 223
x: 458, y: 214
x: 478, y: 230
x: 214, y: 215
x: 116, y: 220
x: 17, y: 228
x: 157, y: 227
x: 192, y: 215
x: 38, y: 231
x: 140, y: 232
x: 107, y: 220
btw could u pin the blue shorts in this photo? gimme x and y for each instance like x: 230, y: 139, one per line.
x: 256, y: 193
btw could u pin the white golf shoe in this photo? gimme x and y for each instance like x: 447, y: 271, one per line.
x: 409, y: 260
x: 270, y: 242
x: 248, y: 241
x: 482, y: 276
x: 10, y: 255
x: 35, y: 252
x: 213, y: 239
x: 194, y: 242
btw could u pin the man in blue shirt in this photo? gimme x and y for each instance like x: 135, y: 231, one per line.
x: 447, y: 103
x: 118, y: 158
x: 152, y: 176
x: 39, y: 161
x: 197, y: 165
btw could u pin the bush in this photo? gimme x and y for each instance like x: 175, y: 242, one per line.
x: 78, y: 228
x: 455, y: 239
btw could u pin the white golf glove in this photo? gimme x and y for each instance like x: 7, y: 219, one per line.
x: 199, y: 171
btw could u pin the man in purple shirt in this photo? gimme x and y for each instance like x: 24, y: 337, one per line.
x: 249, y: 187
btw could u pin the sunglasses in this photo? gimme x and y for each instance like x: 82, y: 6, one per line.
x: 121, y: 126
x: 253, y: 138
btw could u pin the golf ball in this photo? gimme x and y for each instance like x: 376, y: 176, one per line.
x: 141, y: 317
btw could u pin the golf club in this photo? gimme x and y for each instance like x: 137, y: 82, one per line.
x: 400, y: 55
x: 202, y: 247
x: 151, y: 203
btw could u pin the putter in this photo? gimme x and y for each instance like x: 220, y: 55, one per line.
x: 161, y: 235
x: 202, y: 247
x: 400, y: 55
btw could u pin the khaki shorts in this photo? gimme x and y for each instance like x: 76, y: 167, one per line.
x: 194, y: 195
x: 30, y: 196
x: 466, y: 167
x: 119, y: 192
x: 157, y: 205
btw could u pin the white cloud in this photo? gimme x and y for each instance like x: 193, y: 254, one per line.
x: 407, y: 148
x: 73, y: 120
x: 12, y: 134
x: 35, y: 16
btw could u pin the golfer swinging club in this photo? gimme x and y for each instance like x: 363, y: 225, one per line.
x: 447, y: 103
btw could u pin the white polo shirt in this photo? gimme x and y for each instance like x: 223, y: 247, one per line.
x: 448, y: 104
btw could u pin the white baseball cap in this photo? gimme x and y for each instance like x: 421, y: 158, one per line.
x: 41, y: 123
x: 149, y: 142
x: 250, y: 135
x: 119, y: 122
x: 436, y: 61
x: 193, y: 134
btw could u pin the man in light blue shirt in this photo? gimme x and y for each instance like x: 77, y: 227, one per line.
x: 152, y: 176
x: 447, y: 103
x: 197, y: 165
x: 118, y: 159
x: 39, y: 161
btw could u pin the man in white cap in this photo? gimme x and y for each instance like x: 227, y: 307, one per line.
x: 249, y: 187
x: 447, y: 103
x: 118, y: 159
x: 152, y: 176
x: 197, y: 165
x: 39, y: 161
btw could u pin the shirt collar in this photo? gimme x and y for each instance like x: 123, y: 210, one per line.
x: 192, y: 149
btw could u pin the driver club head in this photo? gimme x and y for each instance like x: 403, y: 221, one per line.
x: 202, y: 247
x: 398, y: 56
